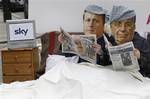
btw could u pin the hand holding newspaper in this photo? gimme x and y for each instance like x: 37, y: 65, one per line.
x: 80, y: 45
x: 122, y: 56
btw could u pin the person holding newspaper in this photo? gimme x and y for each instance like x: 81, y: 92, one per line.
x: 122, y: 24
x: 93, y: 23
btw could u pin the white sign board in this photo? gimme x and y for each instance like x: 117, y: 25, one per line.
x: 21, y: 31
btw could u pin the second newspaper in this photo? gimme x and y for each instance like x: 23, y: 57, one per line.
x: 123, y: 57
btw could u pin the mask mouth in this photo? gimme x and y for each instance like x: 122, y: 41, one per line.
x: 91, y: 31
x: 121, y: 38
x: 121, y: 35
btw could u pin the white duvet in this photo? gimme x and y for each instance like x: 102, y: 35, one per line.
x: 67, y: 80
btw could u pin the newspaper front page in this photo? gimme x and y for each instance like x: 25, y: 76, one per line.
x: 68, y: 45
x: 123, y: 58
x: 80, y: 45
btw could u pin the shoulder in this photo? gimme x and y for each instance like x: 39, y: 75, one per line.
x: 138, y: 37
x: 139, y: 41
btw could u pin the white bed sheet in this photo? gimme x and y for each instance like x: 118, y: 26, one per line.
x: 17, y: 90
x: 67, y: 80
x: 103, y: 83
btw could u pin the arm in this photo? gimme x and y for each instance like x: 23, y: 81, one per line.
x: 144, y: 60
x: 144, y: 54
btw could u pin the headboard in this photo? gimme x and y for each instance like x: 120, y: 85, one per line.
x: 50, y: 45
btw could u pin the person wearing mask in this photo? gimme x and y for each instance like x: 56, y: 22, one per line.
x: 93, y: 23
x: 122, y: 24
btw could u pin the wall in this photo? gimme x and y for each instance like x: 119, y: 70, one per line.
x: 52, y: 14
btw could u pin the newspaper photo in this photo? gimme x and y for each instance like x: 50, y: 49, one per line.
x: 80, y: 45
x: 68, y: 45
x: 123, y: 58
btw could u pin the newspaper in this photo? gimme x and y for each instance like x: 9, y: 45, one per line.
x: 123, y: 58
x: 80, y: 45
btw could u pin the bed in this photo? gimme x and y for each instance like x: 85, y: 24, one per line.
x: 68, y: 80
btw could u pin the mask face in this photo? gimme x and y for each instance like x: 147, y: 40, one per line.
x: 123, y: 31
x: 93, y: 24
